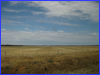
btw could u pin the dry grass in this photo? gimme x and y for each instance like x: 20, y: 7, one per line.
x: 67, y: 63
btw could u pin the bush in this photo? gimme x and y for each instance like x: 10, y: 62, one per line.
x: 50, y: 60
x: 36, y: 62
x: 62, y: 54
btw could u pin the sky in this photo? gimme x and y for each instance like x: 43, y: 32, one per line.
x: 50, y: 22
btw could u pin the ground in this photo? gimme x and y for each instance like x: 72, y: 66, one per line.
x: 50, y: 60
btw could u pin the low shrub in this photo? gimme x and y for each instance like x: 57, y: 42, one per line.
x: 36, y: 62
x: 50, y: 60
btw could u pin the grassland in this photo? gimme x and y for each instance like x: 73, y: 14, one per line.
x: 47, y: 60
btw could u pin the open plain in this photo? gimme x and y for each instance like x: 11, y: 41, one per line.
x: 50, y: 59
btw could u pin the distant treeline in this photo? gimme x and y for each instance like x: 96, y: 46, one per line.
x: 12, y: 45
x: 49, y: 45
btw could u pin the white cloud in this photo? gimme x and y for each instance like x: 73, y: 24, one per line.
x: 37, y: 13
x: 13, y: 10
x: 14, y: 2
x: 59, y: 36
x: 58, y: 23
x: 42, y: 20
x: 61, y: 31
x: 10, y: 22
x: 19, y: 17
x: 3, y: 29
x: 94, y: 34
x: 26, y: 28
x: 71, y: 9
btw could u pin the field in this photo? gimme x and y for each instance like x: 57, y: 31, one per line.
x: 50, y: 59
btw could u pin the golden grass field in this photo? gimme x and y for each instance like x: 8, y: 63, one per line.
x: 47, y: 60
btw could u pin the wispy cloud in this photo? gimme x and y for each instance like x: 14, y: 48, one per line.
x: 94, y: 33
x: 9, y: 22
x: 41, y: 20
x: 14, y: 2
x: 13, y: 10
x: 18, y: 17
x: 58, y: 23
x: 3, y: 29
x: 37, y: 13
x: 34, y: 26
x: 27, y: 29
x: 80, y: 9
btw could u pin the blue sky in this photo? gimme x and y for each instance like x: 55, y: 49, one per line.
x: 50, y: 22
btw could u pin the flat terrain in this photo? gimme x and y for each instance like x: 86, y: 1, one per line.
x: 44, y: 50
x: 50, y: 60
